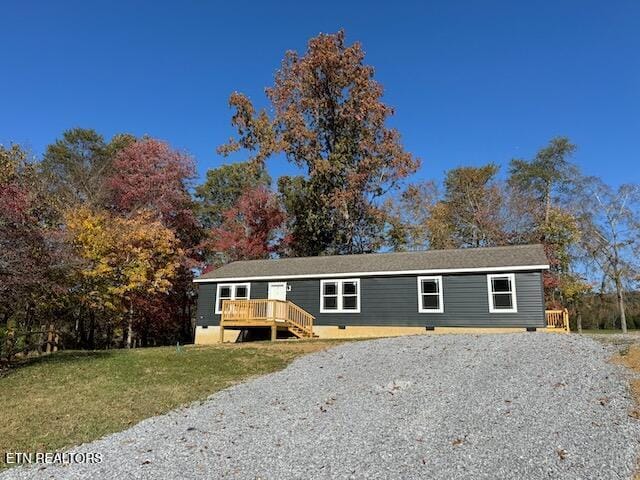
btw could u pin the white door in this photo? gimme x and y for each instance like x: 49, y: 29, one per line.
x: 277, y: 291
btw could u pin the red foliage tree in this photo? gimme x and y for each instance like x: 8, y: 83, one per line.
x: 251, y: 229
x: 150, y: 174
x: 33, y: 260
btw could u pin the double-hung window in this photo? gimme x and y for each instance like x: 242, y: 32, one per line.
x: 430, y: 295
x: 231, y: 291
x: 340, y: 296
x: 502, y: 293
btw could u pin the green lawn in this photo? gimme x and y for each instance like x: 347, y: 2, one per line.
x: 72, y: 397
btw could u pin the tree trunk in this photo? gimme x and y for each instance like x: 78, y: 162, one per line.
x: 109, y: 335
x: 79, y: 331
x: 130, y: 328
x: 620, y: 298
x: 579, y: 321
x: 28, y: 320
x: 91, y: 337
x: 547, y: 204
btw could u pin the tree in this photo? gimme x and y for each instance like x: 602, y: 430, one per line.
x: 33, y: 260
x: 541, y: 189
x: 470, y: 213
x: 546, y: 174
x: 408, y: 215
x: 148, y: 174
x: 574, y: 288
x: 123, y: 258
x: 611, y: 237
x: 78, y: 164
x: 22, y: 245
x: 224, y: 186
x: 251, y: 229
x: 561, y: 233
x: 329, y: 119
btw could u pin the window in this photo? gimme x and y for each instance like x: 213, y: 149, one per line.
x: 340, y: 296
x: 231, y: 291
x: 502, y: 293
x: 430, y: 295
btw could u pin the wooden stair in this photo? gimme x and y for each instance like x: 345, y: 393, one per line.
x: 300, y: 332
x: 276, y: 314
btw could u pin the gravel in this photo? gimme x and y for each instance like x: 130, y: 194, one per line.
x: 440, y: 406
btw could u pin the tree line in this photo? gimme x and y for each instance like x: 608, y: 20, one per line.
x: 103, y: 236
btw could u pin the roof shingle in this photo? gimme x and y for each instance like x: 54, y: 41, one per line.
x: 460, y: 259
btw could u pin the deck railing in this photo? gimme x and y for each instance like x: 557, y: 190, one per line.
x: 299, y: 317
x: 557, y: 319
x: 266, y: 312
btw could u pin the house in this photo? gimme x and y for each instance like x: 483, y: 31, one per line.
x: 374, y: 294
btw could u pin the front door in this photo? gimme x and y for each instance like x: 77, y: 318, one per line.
x: 277, y: 291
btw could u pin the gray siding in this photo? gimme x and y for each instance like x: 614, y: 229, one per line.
x: 394, y: 301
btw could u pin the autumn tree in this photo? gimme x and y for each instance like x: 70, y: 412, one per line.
x: 469, y: 215
x: 20, y: 239
x: 408, y: 216
x: 123, y: 259
x: 79, y: 163
x: 152, y: 176
x: 251, y: 229
x: 329, y: 120
x: 610, y: 222
x: 148, y: 174
x: 32, y: 256
x: 223, y: 187
x: 34, y: 260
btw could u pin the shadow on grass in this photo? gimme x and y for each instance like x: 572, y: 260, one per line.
x: 67, y: 357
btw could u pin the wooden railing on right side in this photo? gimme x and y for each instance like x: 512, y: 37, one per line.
x: 300, y: 318
x: 557, y: 319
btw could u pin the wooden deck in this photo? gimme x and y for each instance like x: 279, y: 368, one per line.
x: 284, y: 315
x: 275, y: 314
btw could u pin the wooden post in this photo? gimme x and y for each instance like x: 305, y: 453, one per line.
x: 274, y: 332
x: 565, y: 318
x: 221, y: 332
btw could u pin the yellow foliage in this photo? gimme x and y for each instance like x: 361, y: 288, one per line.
x: 123, y: 256
x: 573, y: 287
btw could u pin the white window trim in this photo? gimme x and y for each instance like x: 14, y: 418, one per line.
x: 514, y: 296
x: 440, y: 308
x: 233, y: 287
x: 339, y: 282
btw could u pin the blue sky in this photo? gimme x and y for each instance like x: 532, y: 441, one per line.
x: 471, y: 81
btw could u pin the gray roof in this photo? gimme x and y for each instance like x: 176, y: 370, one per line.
x: 460, y: 259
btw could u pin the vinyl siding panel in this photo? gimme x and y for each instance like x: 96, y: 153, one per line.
x: 393, y: 301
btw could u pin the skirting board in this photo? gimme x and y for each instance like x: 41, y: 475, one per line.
x: 211, y: 335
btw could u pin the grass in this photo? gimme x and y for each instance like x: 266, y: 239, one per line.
x: 73, y: 397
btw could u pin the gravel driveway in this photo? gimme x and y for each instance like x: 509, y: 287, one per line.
x: 453, y: 406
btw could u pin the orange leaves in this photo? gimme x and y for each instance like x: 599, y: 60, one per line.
x: 328, y: 119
